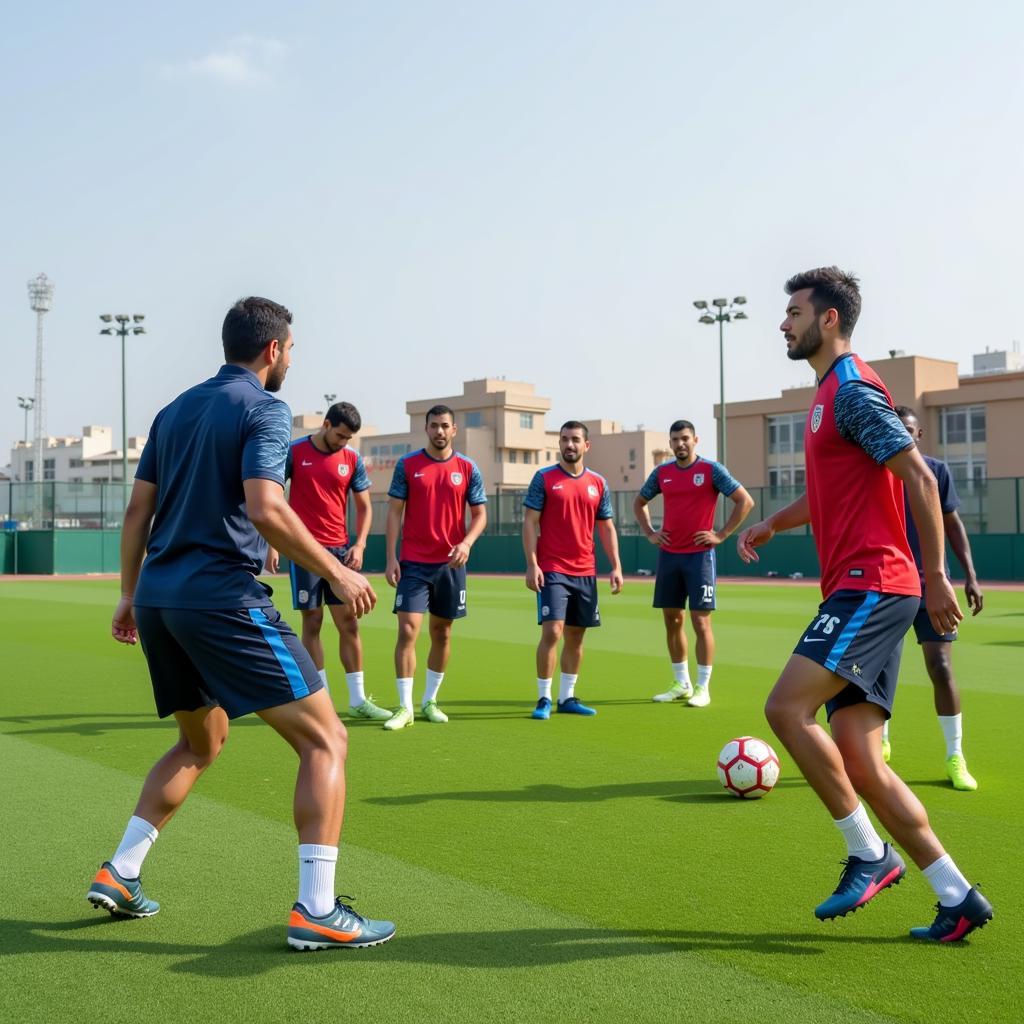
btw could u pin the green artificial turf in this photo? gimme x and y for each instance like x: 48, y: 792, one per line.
x: 570, y: 870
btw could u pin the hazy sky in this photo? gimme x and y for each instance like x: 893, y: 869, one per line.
x: 443, y: 191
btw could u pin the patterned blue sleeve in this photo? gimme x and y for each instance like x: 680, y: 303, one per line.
x: 535, y: 495
x: 651, y: 487
x: 399, y: 485
x: 477, y: 495
x: 865, y: 417
x: 267, y: 441
x: 360, y: 481
x: 949, y: 500
x: 722, y: 480
x: 147, y: 460
x: 604, y: 510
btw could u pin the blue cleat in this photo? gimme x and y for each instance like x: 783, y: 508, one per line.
x: 543, y: 709
x: 860, y: 881
x: 573, y: 706
x: 342, y: 928
x: 954, y: 923
x: 122, y: 897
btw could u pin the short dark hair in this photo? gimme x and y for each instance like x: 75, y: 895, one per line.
x: 682, y: 425
x: 575, y: 425
x: 439, y: 410
x: 344, y: 412
x: 905, y: 412
x: 831, y: 288
x: 251, y: 324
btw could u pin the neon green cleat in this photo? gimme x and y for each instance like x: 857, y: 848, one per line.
x: 370, y: 710
x: 956, y: 769
x: 677, y: 691
x: 432, y: 713
x: 700, y: 699
x: 400, y: 719
x: 886, y: 751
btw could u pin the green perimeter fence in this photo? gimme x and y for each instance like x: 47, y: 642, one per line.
x: 74, y: 528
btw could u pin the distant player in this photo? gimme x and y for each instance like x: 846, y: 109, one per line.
x: 208, y: 495
x: 562, y: 506
x: 848, y: 657
x: 323, y: 471
x: 937, y: 647
x: 689, y: 487
x: 430, y: 492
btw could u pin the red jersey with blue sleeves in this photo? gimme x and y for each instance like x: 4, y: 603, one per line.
x: 320, y: 485
x: 568, y: 506
x: 436, y: 495
x: 689, y: 495
x: 856, y: 504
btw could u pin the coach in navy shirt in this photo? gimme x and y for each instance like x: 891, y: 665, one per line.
x: 208, y: 496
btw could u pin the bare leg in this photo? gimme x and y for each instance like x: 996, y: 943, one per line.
x: 547, y: 649
x: 938, y: 660
x: 572, y: 649
x: 314, y: 732
x: 705, y: 637
x: 201, y: 736
x: 350, y: 645
x: 857, y: 732
x: 405, y: 649
x: 440, y: 643
x: 312, y: 622
x: 675, y: 633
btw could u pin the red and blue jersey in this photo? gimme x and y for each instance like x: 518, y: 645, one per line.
x: 320, y: 485
x: 568, y: 506
x: 436, y: 494
x: 689, y: 496
x: 856, y: 504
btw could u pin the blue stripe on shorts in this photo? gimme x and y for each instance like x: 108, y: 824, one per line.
x: 859, y: 617
x: 281, y: 652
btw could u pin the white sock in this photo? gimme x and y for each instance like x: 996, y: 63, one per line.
x: 356, y: 693
x: 944, y: 877
x: 434, y: 681
x: 405, y: 692
x: 861, y: 838
x: 704, y: 677
x: 316, y: 877
x: 138, y: 840
x: 681, y: 673
x: 885, y: 731
x: 566, y: 687
x: 953, y: 730
x: 543, y: 688
x: 323, y: 678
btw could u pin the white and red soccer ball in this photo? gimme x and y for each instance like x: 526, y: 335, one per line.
x: 748, y: 767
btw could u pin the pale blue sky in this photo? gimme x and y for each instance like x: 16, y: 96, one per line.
x: 443, y: 191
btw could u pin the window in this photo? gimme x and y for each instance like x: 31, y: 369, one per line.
x: 474, y: 419
x: 969, y: 474
x: 49, y: 469
x: 632, y: 458
x: 526, y: 420
x: 962, y: 424
x: 375, y: 450
x: 786, y: 450
x: 30, y: 470
x: 511, y: 455
x: 75, y: 464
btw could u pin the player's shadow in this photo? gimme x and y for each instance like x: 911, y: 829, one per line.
x: 258, y: 952
x: 99, y: 724
x: 679, y: 790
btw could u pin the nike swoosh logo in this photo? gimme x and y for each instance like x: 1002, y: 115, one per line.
x: 814, y: 639
x: 417, y: 474
x: 306, y: 463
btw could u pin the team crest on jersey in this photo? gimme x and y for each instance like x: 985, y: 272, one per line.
x: 592, y: 490
x: 698, y: 479
x: 343, y: 469
x: 456, y: 479
x: 819, y: 411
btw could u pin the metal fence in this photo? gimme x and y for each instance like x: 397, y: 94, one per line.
x: 994, y: 506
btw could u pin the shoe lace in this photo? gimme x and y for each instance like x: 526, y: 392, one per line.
x: 845, y: 877
x: 348, y: 908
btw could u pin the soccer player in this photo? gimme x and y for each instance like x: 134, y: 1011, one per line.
x: 560, y: 511
x: 323, y: 470
x: 689, y: 486
x: 429, y: 493
x: 859, y: 461
x: 936, y: 647
x: 208, y: 495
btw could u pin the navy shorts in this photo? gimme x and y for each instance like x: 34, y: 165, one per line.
x: 925, y: 631
x: 686, y: 577
x: 859, y: 635
x: 308, y: 589
x: 243, y: 659
x: 568, y: 599
x: 432, y: 587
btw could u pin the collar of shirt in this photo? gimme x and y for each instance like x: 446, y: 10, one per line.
x: 234, y: 370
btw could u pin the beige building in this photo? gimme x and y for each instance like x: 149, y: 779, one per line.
x: 972, y: 422
x: 91, y: 458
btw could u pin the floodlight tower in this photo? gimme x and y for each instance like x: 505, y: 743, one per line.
x: 40, y: 297
x: 25, y: 403
x: 122, y: 331
x: 725, y: 311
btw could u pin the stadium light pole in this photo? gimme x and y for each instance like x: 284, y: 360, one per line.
x: 25, y: 404
x: 122, y: 331
x: 330, y: 400
x: 40, y: 297
x: 725, y: 311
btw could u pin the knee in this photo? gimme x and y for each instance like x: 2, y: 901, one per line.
x: 440, y: 632
x: 674, y: 620
x: 863, y: 772
x: 940, y: 669
x: 551, y: 633
x: 777, y: 714
x: 312, y: 621
x: 407, y: 634
x: 205, y: 751
x: 702, y: 625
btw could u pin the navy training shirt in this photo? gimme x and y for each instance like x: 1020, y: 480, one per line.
x: 949, y: 501
x: 203, y: 551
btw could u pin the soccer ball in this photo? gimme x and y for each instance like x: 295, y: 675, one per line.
x: 748, y: 767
